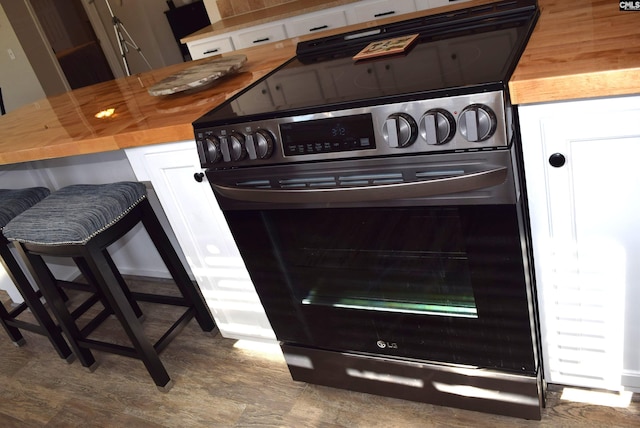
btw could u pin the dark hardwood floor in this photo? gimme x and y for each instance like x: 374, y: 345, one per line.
x: 219, y: 385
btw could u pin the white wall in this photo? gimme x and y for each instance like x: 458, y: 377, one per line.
x: 18, y: 80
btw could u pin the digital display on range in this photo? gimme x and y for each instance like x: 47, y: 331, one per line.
x: 336, y: 134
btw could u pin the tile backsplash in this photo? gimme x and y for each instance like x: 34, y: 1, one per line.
x: 229, y: 8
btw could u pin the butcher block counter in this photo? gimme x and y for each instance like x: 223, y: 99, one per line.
x: 579, y: 49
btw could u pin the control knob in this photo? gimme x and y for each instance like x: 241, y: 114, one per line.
x: 400, y: 130
x: 437, y: 126
x: 211, y: 147
x: 232, y: 147
x: 259, y: 145
x: 477, y: 122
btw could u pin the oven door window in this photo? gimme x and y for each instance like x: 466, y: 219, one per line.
x: 384, y: 266
x: 434, y: 283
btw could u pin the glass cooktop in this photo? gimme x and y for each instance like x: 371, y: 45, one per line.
x: 456, y: 53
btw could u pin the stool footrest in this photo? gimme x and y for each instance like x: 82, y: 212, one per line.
x: 23, y: 325
x: 175, y: 329
x: 95, y: 322
x: 129, y: 351
x: 18, y: 310
x: 159, y: 298
x: 126, y: 351
x: 85, y: 306
x: 71, y: 285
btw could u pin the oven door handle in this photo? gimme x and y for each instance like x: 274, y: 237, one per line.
x: 417, y: 189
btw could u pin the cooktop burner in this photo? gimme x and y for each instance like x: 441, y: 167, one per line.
x: 453, y: 56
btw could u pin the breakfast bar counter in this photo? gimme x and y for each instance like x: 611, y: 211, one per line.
x: 579, y: 49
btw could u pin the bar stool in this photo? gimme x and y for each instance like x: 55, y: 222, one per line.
x: 81, y: 222
x: 12, y: 203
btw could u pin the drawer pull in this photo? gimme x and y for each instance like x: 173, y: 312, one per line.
x: 210, y: 51
x: 266, y: 39
x: 378, y: 15
x: 322, y: 27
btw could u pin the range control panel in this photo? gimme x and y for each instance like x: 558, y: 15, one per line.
x: 460, y: 123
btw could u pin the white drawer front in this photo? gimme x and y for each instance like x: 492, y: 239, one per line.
x: 209, y: 47
x: 427, y: 4
x: 259, y: 36
x: 316, y: 23
x: 381, y: 9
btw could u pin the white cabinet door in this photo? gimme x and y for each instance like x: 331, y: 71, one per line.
x: 316, y: 22
x: 259, y: 35
x: 585, y: 214
x: 210, y: 46
x: 204, y: 236
x: 378, y: 9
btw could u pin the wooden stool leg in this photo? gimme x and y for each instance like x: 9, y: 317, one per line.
x: 190, y: 292
x: 14, y: 334
x: 49, y: 328
x: 113, y: 292
x: 123, y: 285
x: 88, y: 274
x: 54, y: 298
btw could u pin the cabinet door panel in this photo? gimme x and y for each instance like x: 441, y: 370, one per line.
x: 586, y: 239
x: 204, y: 237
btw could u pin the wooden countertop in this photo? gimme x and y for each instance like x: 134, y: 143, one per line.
x: 580, y: 48
x: 65, y: 125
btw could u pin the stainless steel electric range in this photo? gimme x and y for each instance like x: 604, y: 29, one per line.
x: 379, y: 207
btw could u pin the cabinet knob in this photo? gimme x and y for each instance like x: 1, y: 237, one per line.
x: 557, y: 160
x: 199, y: 176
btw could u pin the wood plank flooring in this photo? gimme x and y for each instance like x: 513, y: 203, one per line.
x: 219, y: 385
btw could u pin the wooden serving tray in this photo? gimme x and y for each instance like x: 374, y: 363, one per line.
x: 199, y: 76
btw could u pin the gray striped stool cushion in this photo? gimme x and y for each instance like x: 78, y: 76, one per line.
x: 15, y: 201
x: 75, y: 214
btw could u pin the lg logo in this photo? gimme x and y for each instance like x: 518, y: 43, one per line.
x: 630, y: 5
x: 382, y: 344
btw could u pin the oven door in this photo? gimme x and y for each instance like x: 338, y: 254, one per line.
x: 420, y: 258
